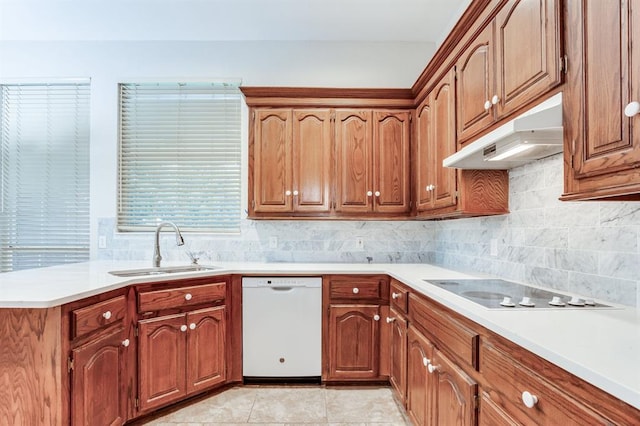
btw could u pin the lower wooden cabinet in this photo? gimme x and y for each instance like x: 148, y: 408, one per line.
x: 179, y: 355
x: 98, y: 395
x: 398, y: 353
x: 419, y: 382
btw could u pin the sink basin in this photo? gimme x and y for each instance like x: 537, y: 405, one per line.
x: 164, y: 270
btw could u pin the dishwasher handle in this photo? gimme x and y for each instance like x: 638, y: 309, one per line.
x: 281, y: 288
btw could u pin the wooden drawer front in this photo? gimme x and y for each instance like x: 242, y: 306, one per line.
x: 507, y: 380
x: 399, y: 297
x: 449, y: 335
x: 179, y: 297
x: 92, y: 317
x: 355, y: 289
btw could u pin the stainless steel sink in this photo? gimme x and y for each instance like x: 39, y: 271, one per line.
x: 164, y: 270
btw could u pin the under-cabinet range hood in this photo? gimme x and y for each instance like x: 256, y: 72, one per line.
x: 533, y: 135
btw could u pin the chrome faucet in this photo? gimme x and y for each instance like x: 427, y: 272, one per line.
x: 156, y: 249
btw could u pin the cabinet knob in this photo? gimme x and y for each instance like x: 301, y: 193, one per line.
x: 432, y: 368
x: 377, y: 193
x: 376, y: 317
x: 106, y: 315
x: 369, y: 193
x: 390, y: 320
x: 192, y: 326
x: 396, y: 295
x: 295, y: 192
x: 188, y: 296
x: 426, y: 361
x: 183, y: 328
x: 287, y: 192
x: 495, y: 100
x: 632, y: 109
x: 126, y: 343
x: 487, y: 105
x: 529, y: 400
x: 356, y: 290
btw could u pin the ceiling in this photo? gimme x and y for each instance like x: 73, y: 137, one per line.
x: 230, y: 20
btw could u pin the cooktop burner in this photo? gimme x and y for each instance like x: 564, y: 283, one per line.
x: 501, y: 294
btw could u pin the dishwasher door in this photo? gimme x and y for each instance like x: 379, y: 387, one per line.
x: 281, y: 327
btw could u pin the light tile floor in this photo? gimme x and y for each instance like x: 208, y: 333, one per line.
x: 290, y: 405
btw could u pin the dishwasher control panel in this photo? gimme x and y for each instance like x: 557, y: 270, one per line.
x: 281, y: 282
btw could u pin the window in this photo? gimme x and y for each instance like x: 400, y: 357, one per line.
x: 180, y: 156
x: 44, y: 136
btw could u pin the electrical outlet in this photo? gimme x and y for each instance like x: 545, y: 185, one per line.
x: 359, y: 243
x: 273, y: 242
x: 493, y: 247
x: 102, y: 242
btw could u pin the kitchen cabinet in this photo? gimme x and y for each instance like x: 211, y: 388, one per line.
x: 352, y: 332
x: 292, y: 161
x: 601, y: 123
x: 398, y: 353
x: 372, y: 161
x: 191, y: 341
x: 513, y: 62
x: 419, y: 382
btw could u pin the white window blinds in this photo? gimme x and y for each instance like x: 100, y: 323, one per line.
x: 44, y: 132
x: 180, y: 156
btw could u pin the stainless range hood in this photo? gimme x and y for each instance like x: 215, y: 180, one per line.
x: 533, y: 135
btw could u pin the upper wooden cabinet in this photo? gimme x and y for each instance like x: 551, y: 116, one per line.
x: 372, y: 148
x: 292, y: 161
x: 602, y: 144
x: 513, y: 61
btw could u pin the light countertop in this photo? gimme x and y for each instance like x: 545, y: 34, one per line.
x: 600, y: 346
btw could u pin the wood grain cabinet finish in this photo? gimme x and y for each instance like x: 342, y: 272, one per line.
x: 512, y: 62
x: 398, y: 353
x: 602, y: 144
x: 372, y: 150
x: 292, y: 161
x: 420, y: 387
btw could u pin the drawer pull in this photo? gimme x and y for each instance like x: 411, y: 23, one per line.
x: 390, y: 320
x: 356, y: 290
x: 495, y: 99
x: 126, y: 343
x: 632, y: 109
x: 183, y: 328
x: 369, y: 193
x: 192, y: 326
x: 376, y: 317
x: 432, y: 368
x: 396, y: 295
x: 487, y: 105
x: 529, y: 400
x: 106, y: 315
x: 377, y: 193
x: 188, y: 296
x: 426, y: 361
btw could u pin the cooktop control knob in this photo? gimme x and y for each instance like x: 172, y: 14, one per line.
x: 507, y: 302
x: 589, y: 302
x: 576, y: 301
x: 526, y: 301
x: 556, y: 301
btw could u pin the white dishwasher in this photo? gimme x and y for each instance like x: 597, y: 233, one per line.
x: 281, y: 327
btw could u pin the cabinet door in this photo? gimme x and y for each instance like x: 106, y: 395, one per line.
x: 420, y: 386
x: 97, y: 392
x: 398, y: 354
x: 354, y: 342
x: 391, y: 161
x: 312, y: 160
x: 475, y: 70
x: 455, y: 394
x: 444, y: 141
x: 161, y: 360
x: 206, y: 348
x: 354, y: 184
x: 527, y: 52
x: 424, y: 154
x: 272, y: 173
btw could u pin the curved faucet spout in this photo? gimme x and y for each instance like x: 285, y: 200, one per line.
x: 156, y: 248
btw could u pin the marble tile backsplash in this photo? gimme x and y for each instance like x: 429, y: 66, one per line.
x: 589, y: 248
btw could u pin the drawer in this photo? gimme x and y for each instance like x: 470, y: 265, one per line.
x: 93, y: 317
x: 507, y: 381
x: 399, y: 297
x: 178, y: 297
x: 355, y: 289
x: 448, y: 334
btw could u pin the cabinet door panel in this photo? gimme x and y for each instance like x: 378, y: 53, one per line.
x: 206, y: 348
x: 455, y: 395
x: 527, y: 51
x: 444, y: 134
x: 353, y: 144
x: 391, y: 161
x: 419, y: 382
x: 424, y: 155
x: 97, y: 394
x: 272, y: 161
x: 161, y: 360
x: 475, y: 86
x: 398, y: 372
x: 312, y: 160
x: 354, y: 339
